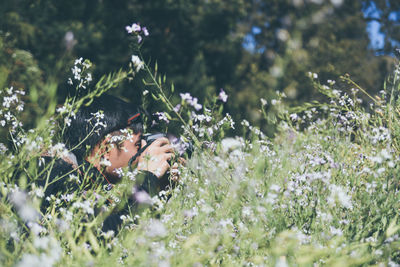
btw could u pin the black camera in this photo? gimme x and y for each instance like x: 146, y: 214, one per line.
x: 151, y: 137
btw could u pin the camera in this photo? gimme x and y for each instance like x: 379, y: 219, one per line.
x: 183, y: 148
x: 151, y: 137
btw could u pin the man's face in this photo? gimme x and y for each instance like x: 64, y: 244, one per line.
x: 121, y: 147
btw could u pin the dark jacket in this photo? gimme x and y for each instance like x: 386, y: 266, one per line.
x: 58, y: 180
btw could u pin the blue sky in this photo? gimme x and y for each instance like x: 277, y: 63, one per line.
x: 377, y: 38
x: 373, y: 28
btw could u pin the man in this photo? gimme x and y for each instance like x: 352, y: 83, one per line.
x: 115, y: 138
x: 103, y: 138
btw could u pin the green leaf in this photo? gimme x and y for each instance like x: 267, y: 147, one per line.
x: 392, y: 228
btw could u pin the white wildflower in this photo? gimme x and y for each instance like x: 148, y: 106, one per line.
x: 223, y: 96
x: 162, y: 116
x: 338, y: 193
x: 336, y: 231
x: 230, y: 144
x: 85, y: 206
x: 137, y: 63
x: 143, y: 197
x: 134, y: 28
x: 293, y: 116
x: 263, y: 102
x: 156, y: 228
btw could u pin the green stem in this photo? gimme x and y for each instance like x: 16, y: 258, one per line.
x: 169, y: 104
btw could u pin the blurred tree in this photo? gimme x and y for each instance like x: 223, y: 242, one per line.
x: 292, y: 37
x: 251, y: 48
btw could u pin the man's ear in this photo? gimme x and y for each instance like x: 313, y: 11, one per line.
x: 100, y: 150
x: 104, y: 147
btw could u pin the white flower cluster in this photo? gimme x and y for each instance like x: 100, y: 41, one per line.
x: 97, y: 121
x: 11, y: 106
x: 161, y: 116
x: 86, y: 206
x: 24, y: 206
x: 59, y: 150
x: 50, y: 249
x: 67, y: 111
x: 81, y: 78
x: 137, y: 63
x: 380, y: 134
x: 253, y: 129
x: 202, y: 126
x: 192, y: 101
x: 338, y: 194
x: 137, y: 30
x: 222, y: 96
x: 312, y: 75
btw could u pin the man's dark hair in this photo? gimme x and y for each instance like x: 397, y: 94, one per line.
x: 116, y: 114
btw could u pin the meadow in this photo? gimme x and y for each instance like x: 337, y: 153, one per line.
x: 323, y: 191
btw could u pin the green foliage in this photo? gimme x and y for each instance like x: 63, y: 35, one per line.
x: 249, y: 48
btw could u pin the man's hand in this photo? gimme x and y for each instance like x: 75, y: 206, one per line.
x: 155, y: 158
